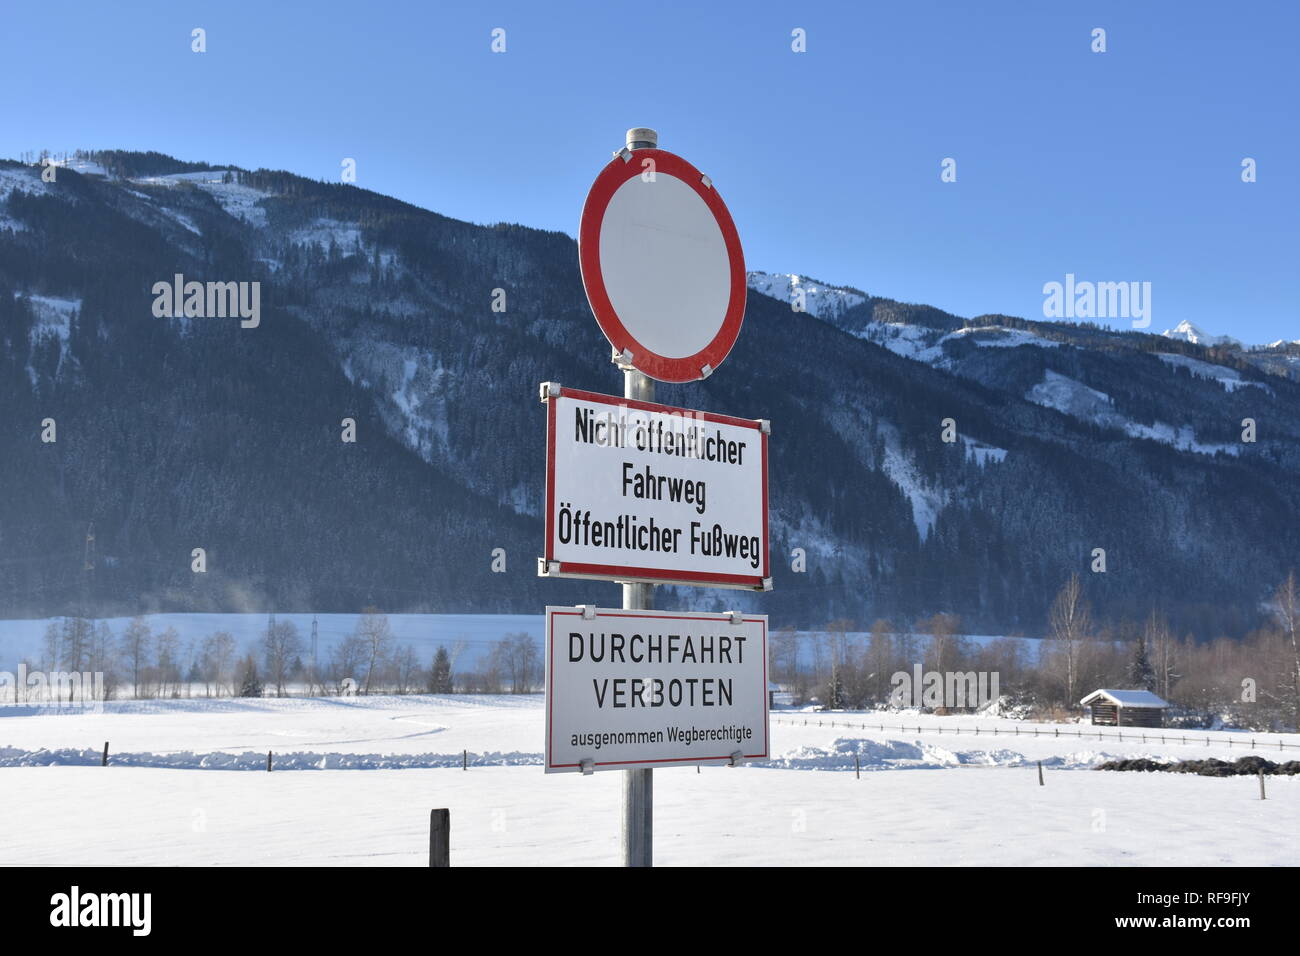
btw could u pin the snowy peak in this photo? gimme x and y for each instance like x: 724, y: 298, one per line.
x: 824, y: 301
x: 1188, y: 332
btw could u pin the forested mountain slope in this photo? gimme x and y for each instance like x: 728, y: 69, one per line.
x: 179, y: 433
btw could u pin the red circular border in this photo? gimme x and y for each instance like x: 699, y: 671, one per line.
x: 619, y: 171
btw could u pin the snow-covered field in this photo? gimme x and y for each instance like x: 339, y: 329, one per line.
x: 931, y: 796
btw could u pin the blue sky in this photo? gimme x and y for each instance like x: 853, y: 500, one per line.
x: 1123, y: 165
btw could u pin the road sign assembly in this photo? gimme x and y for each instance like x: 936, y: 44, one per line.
x: 643, y: 494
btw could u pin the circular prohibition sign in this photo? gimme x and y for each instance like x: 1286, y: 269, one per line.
x: 662, y: 265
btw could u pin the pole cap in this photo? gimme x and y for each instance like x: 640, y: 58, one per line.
x: 642, y: 137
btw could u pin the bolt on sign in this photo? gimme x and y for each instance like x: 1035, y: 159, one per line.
x: 637, y: 491
x: 632, y: 688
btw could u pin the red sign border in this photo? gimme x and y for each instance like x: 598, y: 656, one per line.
x: 689, y: 368
x: 609, y: 612
x: 631, y: 573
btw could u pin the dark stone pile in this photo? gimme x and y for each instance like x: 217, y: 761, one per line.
x: 1243, y: 766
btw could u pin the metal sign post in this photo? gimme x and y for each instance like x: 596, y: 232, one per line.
x: 638, y: 785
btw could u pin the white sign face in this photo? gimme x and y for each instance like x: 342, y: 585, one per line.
x: 665, y: 265
x: 628, y: 689
x: 642, y: 492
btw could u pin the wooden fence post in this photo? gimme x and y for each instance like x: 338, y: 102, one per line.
x: 857, y: 768
x: 268, y: 761
x: 1040, y: 774
x: 104, y: 761
x: 440, y: 837
x: 1261, y: 786
x: 464, y: 760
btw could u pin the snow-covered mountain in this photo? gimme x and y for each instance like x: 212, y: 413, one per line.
x: 1188, y: 332
x: 920, y: 332
x: 808, y: 295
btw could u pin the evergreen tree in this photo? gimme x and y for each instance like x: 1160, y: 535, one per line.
x: 440, y: 681
x: 835, y: 690
x: 250, y: 685
x: 1141, y: 675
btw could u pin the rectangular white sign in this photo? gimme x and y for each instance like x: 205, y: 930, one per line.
x: 637, y: 491
x: 628, y: 689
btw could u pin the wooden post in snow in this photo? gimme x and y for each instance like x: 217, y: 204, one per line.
x: 104, y: 762
x: 440, y: 837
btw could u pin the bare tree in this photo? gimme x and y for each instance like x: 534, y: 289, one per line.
x: 406, y: 669
x: 882, y: 661
x: 137, y: 648
x: 1070, y: 623
x: 218, y: 662
x: 487, y: 679
x: 168, y: 644
x: 347, y: 660
x: 518, y: 656
x: 1286, y: 611
x: 67, y: 646
x: 52, y: 646
x: 785, y: 655
x: 78, y: 634
x: 377, y: 638
x: 838, y: 691
x: 1162, y: 647
x: 281, y: 646
x: 103, y: 657
x: 947, y: 646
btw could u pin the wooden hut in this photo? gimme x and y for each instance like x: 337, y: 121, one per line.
x: 1126, y: 708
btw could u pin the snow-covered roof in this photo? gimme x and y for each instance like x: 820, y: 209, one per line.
x: 1126, y: 698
